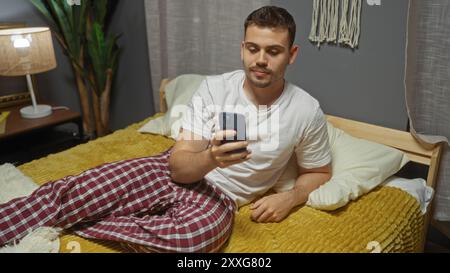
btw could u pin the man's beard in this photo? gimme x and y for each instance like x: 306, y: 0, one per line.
x: 259, y: 83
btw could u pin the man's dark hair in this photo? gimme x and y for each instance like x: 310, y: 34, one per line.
x: 272, y: 16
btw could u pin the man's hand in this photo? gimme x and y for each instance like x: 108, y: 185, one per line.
x: 272, y: 208
x: 192, y: 158
x: 219, y: 151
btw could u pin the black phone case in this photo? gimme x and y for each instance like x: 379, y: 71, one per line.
x: 236, y: 122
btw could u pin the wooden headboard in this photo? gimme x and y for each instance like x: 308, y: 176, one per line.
x: 400, y: 140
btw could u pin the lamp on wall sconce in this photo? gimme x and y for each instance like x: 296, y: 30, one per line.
x: 26, y: 51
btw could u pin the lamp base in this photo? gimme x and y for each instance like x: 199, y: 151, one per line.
x: 40, y: 111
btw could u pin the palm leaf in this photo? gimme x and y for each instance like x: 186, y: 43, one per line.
x: 100, y: 9
x: 69, y: 35
x: 96, y: 48
x: 68, y: 11
x: 115, y: 58
x: 112, y: 50
x: 79, y: 18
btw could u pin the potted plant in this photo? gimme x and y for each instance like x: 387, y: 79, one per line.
x: 81, y: 28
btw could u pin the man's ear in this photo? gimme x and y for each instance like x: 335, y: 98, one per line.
x: 295, y: 49
x: 242, y: 50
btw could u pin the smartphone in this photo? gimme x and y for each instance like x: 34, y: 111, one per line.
x: 236, y: 122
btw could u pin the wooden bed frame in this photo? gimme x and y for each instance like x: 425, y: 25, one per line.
x: 400, y: 140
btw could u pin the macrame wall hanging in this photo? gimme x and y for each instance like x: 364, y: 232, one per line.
x: 326, y: 26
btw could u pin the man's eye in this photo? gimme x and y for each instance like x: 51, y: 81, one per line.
x: 252, y: 49
x: 273, y: 52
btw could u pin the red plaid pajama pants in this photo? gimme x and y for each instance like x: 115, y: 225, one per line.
x: 133, y: 202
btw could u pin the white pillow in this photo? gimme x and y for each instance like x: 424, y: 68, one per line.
x: 179, y: 92
x: 416, y: 187
x: 359, y: 166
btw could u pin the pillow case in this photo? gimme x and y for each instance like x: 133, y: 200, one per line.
x: 359, y: 166
x: 179, y: 92
x: 416, y: 187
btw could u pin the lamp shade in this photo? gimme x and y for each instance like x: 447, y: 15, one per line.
x: 25, y: 51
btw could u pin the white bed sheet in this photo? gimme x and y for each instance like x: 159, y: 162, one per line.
x: 416, y: 187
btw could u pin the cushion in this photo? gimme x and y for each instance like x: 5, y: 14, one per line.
x: 179, y: 92
x: 358, y: 165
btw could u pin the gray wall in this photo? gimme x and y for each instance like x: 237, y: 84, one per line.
x: 365, y: 84
x: 131, y: 97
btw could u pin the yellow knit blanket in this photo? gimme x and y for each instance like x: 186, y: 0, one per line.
x: 387, y: 219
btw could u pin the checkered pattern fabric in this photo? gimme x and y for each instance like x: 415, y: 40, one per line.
x: 133, y: 202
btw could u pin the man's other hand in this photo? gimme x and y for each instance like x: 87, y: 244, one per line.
x: 273, y: 208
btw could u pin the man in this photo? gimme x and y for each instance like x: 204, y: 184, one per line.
x: 266, y: 52
x: 184, y: 199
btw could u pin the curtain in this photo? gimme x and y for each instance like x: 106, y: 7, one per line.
x: 195, y: 37
x: 428, y: 86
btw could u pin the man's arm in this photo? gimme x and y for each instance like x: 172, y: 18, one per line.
x: 309, y: 181
x: 276, y: 207
x: 192, y: 157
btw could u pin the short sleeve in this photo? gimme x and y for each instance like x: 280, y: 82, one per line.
x: 313, y: 150
x: 198, y: 118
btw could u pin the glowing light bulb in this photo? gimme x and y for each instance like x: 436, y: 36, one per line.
x: 21, y: 43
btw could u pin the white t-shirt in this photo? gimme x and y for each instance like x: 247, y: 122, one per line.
x: 294, y: 123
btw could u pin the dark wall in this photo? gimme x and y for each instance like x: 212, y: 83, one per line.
x: 131, y: 96
x: 366, y: 84
x: 132, y: 99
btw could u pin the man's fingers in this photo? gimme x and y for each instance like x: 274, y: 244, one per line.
x: 257, y: 213
x: 266, y: 217
x: 222, y: 153
x: 229, y: 163
x: 258, y: 203
x: 232, y: 146
x: 221, y: 135
x: 233, y: 157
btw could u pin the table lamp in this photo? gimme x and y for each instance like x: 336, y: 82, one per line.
x: 26, y: 51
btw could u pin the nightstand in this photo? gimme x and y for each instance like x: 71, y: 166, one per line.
x: 28, y: 139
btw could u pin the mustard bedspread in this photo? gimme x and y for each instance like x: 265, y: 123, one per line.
x: 386, y: 220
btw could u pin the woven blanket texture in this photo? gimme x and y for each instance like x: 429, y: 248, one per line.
x: 386, y: 219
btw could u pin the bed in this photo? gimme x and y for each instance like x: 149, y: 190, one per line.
x: 385, y: 220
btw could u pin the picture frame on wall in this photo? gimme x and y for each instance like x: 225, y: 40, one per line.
x: 14, y: 90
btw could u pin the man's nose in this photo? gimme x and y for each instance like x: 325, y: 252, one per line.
x: 262, y: 59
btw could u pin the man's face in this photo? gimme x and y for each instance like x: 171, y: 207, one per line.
x: 266, y: 53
